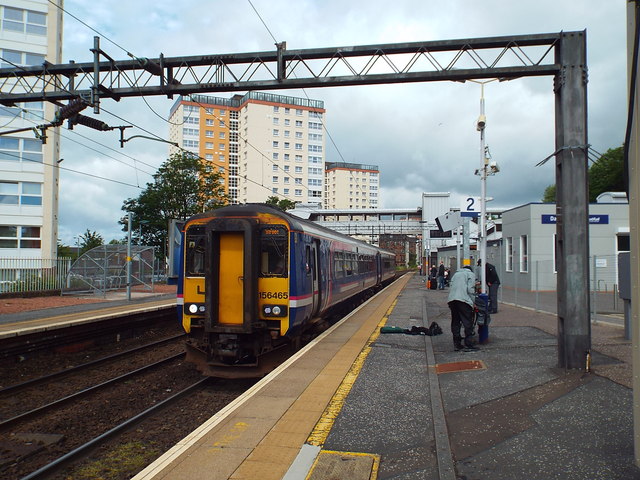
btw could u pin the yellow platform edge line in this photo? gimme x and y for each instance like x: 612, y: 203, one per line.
x: 321, y: 431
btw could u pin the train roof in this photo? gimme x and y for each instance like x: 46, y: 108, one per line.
x: 295, y: 223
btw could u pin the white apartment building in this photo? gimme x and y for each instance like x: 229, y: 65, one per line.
x: 351, y: 186
x: 30, y: 33
x: 262, y: 144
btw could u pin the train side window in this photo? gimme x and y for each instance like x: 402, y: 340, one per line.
x: 273, y: 251
x: 337, y: 264
x: 308, y: 260
x: 196, y: 241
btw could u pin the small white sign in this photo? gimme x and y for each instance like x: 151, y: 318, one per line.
x: 601, y: 263
x: 470, y: 207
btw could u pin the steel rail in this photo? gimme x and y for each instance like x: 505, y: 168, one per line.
x: 61, y: 373
x: 78, y: 452
x: 39, y: 410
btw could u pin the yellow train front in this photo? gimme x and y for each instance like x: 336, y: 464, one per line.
x: 255, y: 279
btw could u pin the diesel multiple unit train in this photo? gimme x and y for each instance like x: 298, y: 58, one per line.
x: 255, y: 279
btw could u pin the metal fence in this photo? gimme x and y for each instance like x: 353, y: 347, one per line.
x: 536, y: 288
x: 104, y: 268
x: 33, y: 274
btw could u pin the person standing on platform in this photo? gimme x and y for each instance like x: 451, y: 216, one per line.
x: 493, y: 283
x: 461, y: 300
x: 441, y: 276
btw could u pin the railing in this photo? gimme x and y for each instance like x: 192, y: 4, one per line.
x: 33, y: 274
x: 537, y: 289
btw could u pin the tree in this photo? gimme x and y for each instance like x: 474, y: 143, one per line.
x: 64, y: 250
x: 89, y: 240
x: 605, y: 175
x: 283, y: 204
x: 183, y: 186
x: 549, y: 194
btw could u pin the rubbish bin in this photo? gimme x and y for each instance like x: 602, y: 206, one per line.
x: 483, y: 318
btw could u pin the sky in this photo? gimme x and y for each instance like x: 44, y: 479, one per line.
x: 422, y: 136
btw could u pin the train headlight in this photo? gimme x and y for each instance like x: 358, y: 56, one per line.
x: 195, y: 308
x: 274, y: 310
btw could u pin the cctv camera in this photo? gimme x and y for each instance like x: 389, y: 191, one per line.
x: 482, y: 121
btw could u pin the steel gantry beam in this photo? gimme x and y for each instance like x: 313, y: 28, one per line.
x: 453, y: 60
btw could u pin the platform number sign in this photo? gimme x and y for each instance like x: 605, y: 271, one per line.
x: 470, y: 207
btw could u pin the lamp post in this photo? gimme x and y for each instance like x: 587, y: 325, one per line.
x: 485, y: 169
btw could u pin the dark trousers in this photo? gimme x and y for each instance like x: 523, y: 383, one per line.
x: 493, y: 297
x: 461, y: 315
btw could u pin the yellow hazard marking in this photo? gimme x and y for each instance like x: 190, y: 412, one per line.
x: 321, y: 431
x: 236, y: 431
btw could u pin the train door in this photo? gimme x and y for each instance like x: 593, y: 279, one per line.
x: 231, y: 278
x: 312, y: 262
x: 378, y: 269
x: 231, y: 283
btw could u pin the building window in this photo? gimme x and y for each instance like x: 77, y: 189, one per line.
x: 276, y: 132
x: 208, y: 133
x: 274, y: 179
x: 286, y: 144
x: 276, y: 121
x: 222, y: 135
x: 208, y: 156
x: 275, y: 167
x: 28, y: 237
x: 208, y: 122
x: 286, y: 157
x: 286, y: 191
x: 192, y: 132
x: 299, y: 123
x: 524, y: 257
x: 208, y: 145
x: 193, y: 144
x: 287, y: 122
x: 223, y: 113
x: 315, y: 148
x: 298, y: 169
x: 298, y: 147
x: 298, y: 192
x: 508, y: 248
x: 221, y: 123
x: 299, y: 135
x: 221, y: 146
x: 15, y: 149
x: 221, y: 158
x: 298, y: 112
x: 276, y: 109
x: 298, y: 157
x: 275, y: 155
x: 24, y: 21
x: 16, y: 57
x: 275, y: 144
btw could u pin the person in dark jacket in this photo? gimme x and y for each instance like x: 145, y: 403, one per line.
x: 493, y: 283
x: 441, y: 276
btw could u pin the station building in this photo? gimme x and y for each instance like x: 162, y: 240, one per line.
x: 30, y: 34
x: 525, y: 255
x: 262, y: 144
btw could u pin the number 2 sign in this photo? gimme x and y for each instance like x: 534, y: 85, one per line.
x: 470, y: 207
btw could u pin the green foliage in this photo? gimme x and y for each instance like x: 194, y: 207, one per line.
x: 89, y: 240
x: 605, y: 175
x: 282, y: 204
x: 549, y: 195
x: 64, y: 250
x: 183, y: 186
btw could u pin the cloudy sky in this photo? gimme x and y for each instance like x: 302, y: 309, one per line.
x: 422, y: 136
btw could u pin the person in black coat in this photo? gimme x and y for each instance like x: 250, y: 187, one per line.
x: 493, y: 283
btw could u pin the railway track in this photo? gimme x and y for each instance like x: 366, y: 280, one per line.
x: 46, y: 438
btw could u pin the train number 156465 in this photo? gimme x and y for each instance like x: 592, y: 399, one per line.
x: 272, y: 295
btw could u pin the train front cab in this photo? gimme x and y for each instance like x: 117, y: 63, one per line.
x: 244, y: 290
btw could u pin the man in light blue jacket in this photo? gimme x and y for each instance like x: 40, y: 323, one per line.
x: 461, y: 300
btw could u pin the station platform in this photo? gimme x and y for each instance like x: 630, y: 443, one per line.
x: 359, y: 404
x: 114, y: 305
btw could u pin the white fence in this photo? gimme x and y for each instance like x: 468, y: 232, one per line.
x: 33, y: 274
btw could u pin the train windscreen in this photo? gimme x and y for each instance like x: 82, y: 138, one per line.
x: 273, y: 251
x: 195, y: 242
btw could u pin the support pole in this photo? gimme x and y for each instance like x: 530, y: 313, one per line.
x: 572, y: 240
x: 129, y: 256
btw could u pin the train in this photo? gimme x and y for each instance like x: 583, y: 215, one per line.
x: 255, y: 280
